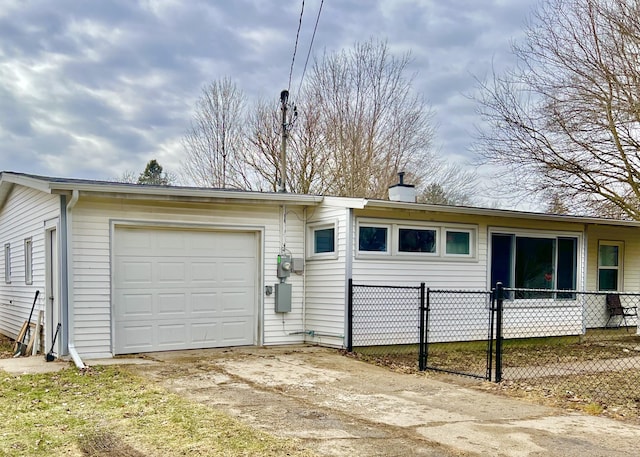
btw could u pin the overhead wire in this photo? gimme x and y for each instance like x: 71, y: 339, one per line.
x: 295, y: 48
x: 315, y: 28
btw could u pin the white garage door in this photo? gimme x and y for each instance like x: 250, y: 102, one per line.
x: 183, y: 289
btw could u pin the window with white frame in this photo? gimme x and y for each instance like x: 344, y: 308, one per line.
x: 7, y: 263
x: 373, y: 238
x: 417, y: 240
x: 322, y: 240
x: 28, y: 261
x: 534, y: 261
x: 610, y: 265
x: 435, y: 241
x: 458, y: 242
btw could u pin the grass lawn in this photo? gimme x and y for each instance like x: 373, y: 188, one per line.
x: 107, y: 411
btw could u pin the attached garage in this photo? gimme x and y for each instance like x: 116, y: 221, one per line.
x: 179, y: 288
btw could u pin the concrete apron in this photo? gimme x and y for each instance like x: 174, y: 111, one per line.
x: 361, y: 402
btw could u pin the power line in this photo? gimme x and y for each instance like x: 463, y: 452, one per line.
x: 295, y: 48
x: 310, y: 47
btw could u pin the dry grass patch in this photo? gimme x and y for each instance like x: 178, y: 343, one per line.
x: 6, y: 347
x: 109, y: 411
x: 611, y: 391
x: 611, y: 394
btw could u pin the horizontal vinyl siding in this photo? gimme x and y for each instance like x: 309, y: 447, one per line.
x: 440, y: 272
x: 23, y: 216
x: 325, y: 285
x: 92, y: 267
x: 435, y: 272
x: 597, y: 315
x: 631, y: 256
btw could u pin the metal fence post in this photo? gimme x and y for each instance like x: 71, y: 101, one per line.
x: 492, y: 309
x: 350, y: 317
x: 499, y: 306
x: 422, y: 356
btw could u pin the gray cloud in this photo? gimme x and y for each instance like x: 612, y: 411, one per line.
x: 92, y: 89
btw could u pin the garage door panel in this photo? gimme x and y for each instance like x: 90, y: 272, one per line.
x: 135, y: 242
x: 172, y: 333
x: 204, y: 272
x: 171, y: 271
x: 234, y: 245
x: 237, y: 272
x: 205, y: 333
x: 236, y: 301
x: 136, y: 305
x: 205, y: 303
x: 138, y: 338
x: 173, y: 304
x: 233, y: 332
x: 186, y: 289
x: 136, y: 272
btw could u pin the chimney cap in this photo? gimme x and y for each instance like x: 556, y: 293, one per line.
x: 401, y: 181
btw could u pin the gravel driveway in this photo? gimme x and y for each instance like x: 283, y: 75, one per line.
x: 338, y: 406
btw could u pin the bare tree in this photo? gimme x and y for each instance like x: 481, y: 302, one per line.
x: 449, y: 184
x: 128, y: 177
x: 567, y: 118
x: 305, y: 151
x: 373, y: 123
x: 359, y: 124
x: 215, y: 142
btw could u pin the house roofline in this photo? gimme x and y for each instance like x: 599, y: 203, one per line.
x: 136, y: 191
x: 512, y: 214
x: 65, y: 185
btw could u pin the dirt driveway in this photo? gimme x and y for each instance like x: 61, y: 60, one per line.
x: 338, y: 406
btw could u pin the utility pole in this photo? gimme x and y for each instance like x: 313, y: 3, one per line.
x: 284, y: 98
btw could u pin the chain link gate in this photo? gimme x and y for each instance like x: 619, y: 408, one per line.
x: 459, y: 332
x: 422, y: 328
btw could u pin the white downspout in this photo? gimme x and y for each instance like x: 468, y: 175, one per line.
x: 70, y: 298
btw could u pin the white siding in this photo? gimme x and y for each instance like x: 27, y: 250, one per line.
x: 326, y: 283
x: 92, y: 254
x: 440, y: 272
x: 596, y: 313
x: 435, y: 272
x: 23, y: 216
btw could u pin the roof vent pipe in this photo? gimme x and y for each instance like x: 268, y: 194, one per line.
x: 402, y: 192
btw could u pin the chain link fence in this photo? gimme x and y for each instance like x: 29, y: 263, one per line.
x: 559, y: 333
x: 384, y: 323
x: 527, y: 334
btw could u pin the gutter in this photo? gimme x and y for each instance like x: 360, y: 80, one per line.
x: 75, y: 195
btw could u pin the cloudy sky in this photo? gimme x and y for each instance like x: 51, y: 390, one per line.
x: 93, y: 89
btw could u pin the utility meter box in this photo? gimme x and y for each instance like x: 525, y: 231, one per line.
x: 283, y: 297
x: 284, y: 266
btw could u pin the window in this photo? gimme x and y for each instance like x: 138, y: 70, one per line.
x: 397, y: 239
x: 458, y: 243
x: 534, y: 262
x: 373, y: 238
x: 7, y: 263
x: 417, y: 240
x: 324, y: 240
x: 609, y: 265
x: 28, y: 261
